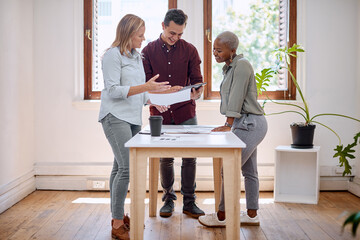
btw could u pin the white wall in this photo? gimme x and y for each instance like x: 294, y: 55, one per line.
x: 64, y: 134
x: 354, y: 186
x: 16, y: 101
x: 331, y: 63
x: 67, y: 141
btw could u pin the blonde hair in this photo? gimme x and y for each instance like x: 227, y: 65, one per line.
x: 125, y: 30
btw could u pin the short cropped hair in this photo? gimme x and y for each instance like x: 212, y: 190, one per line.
x: 229, y: 39
x: 176, y: 15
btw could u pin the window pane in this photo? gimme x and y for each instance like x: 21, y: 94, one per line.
x: 256, y: 23
x: 108, y: 14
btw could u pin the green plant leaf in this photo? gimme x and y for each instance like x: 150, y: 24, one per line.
x: 344, y: 154
x: 356, y: 137
x: 353, y: 219
x: 263, y: 79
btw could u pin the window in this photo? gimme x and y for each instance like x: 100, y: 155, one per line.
x: 262, y: 26
x: 266, y: 24
x: 100, y: 21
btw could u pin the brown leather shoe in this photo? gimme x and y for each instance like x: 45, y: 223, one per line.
x: 127, y: 220
x: 123, y: 232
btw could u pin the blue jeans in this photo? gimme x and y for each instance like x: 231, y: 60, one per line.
x: 251, y: 129
x: 118, y: 132
x: 188, y: 173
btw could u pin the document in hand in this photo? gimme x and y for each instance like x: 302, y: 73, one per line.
x: 166, y: 99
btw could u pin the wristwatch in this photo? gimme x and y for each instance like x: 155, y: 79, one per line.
x: 228, y: 125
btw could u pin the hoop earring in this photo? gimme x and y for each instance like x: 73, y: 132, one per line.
x: 231, y: 58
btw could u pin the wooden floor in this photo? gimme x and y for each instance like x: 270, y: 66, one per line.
x: 67, y: 215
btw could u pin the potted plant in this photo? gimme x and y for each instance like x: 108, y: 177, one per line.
x: 307, y: 127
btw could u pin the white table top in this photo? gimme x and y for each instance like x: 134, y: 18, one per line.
x: 197, y: 136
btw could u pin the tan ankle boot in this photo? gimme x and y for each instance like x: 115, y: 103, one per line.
x: 127, y: 220
x: 122, y: 233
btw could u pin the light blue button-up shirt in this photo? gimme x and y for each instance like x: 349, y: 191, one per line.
x: 120, y: 73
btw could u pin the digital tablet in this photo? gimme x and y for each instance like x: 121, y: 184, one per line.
x: 196, y: 86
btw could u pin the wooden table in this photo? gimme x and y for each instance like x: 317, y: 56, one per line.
x: 224, y: 148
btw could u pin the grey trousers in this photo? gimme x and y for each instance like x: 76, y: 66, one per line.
x: 251, y: 129
x: 188, y: 173
x: 118, y: 132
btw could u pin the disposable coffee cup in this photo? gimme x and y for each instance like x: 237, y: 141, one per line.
x: 155, y: 125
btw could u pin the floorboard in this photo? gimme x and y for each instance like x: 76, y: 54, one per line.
x: 81, y: 215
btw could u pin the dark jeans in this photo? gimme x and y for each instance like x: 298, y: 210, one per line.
x: 188, y: 173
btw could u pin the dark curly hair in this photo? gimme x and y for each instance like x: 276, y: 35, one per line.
x: 176, y: 15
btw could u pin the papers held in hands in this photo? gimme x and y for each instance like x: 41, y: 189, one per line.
x: 167, y: 99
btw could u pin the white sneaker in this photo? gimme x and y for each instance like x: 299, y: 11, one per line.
x: 248, y: 221
x: 211, y: 220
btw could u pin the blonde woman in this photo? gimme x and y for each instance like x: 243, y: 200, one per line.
x: 122, y: 99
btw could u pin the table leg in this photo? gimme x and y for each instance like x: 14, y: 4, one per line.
x: 153, y: 185
x: 232, y: 170
x: 217, y: 164
x: 137, y: 193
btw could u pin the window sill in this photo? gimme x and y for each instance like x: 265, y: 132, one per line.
x: 86, y: 104
x: 201, y: 104
x: 95, y: 104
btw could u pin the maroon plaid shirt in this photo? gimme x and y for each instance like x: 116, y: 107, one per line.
x: 180, y: 66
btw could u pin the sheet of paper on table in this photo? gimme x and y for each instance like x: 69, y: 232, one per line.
x: 182, y: 129
x: 176, y: 139
x: 166, y: 99
x: 189, y: 129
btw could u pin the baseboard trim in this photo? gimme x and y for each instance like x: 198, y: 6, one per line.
x: 204, y: 165
x: 76, y: 176
x: 16, y: 190
x: 72, y: 168
x: 203, y: 183
x: 354, y: 186
x: 334, y: 183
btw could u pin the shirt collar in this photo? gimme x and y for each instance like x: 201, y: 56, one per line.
x: 227, y: 67
x: 134, y: 54
x: 163, y: 44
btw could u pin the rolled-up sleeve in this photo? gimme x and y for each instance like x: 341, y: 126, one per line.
x: 111, y: 66
x: 237, y: 94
